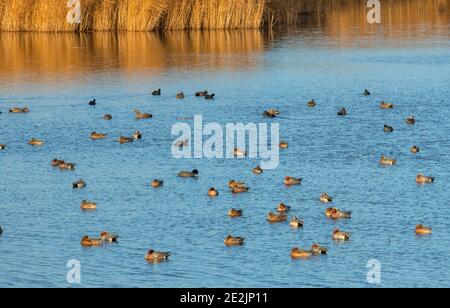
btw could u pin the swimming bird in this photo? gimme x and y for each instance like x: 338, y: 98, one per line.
x: 2, y: 146
x: 284, y: 145
x: 19, y: 110
x: 384, y: 105
x: 140, y: 116
x: 109, y: 238
x: 388, y: 129
x: 1, y: 230
x: 107, y: 117
x: 239, y: 189
x: 157, y: 183
x: 422, y: 179
x: 66, y: 166
x: 137, y: 135
x: 201, y: 93
x: 180, y: 95
x: 296, y: 223
x: 297, y: 253
x: 311, y: 103
x: 57, y: 162
x: 239, y: 153
x: 233, y: 184
x: 290, y: 181
x: 35, y: 142
x: 411, y: 120
x: 235, y: 213
x: 340, y: 236
x: 271, y: 217
x: 342, y: 112
x: 93, y: 103
x: 86, y: 241
x: 88, y: 206
x: 283, y: 208
x: 338, y: 214
x: 386, y: 161
x: 325, y: 198
x: 96, y: 136
x: 79, y: 184
x: 157, y: 256
x: 316, y: 249
x: 257, y: 170
x: 212, y: 192
x: 156, y: 92
x: 366, y: 92
x: 210, y: 96
x: 271, y: 113
x: 423, y: 230
x: 233, y: 241
x: 186, y: 174
x: 123, y: 139
x: 415, y: 150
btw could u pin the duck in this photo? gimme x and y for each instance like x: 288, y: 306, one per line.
x: 258, y: 170
x: 384, y: 105
x: 2, y: 146
x: 284, y: 145
x: 1, y: 230
x: 388, y: 129
x: 66, y: 166
x: 311, y: 103
x: 271, y: 113
x: 239, y: 153
x: 296, y: 223
x: 137, y: 135
x: 239, y: 189
x: 57, y: 162
x: 19, y: 110
x: 411, y: 120
x: 283, y: 208
x: 235, y: 213
x: 93, y: 102
x: 140, y: 116
x: 233, y: 241
x: 290, y: 181
x: 340, y: 236
x: 297, y: 253
x: 79, y: 184
x: 415, y: 149
x: 338, y: 214
x: 186, y: 174
x: 86, y: 241
x: 157, y: 183
x: 386, y: 161
x: 325, y: 198
x: 123, y: 139
x: 316, y: 249
x: 180, y: 95
x: 157, y: 256
x: 271, y: 217
x: 107, y: 117
x: 210, y: 96
x: 96, y: 136
x: 366, y: 93
x: 212, y: 192
x: 156, y: 92
x: 233, y: 184
x: 35, y: 142
x: 423, y: 230
x: 109, y: 238
x: 423, y: 179
x: 201, y: 93
x: 342, y: 112
x: 87, y: 205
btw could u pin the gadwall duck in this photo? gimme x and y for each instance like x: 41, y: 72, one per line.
x: 290, y: 181
x: 387, y: 161
x: 66, y: 166
x: 233, y: 241
x: 96, y: 136
x: 239, y: 190
x: 186, y: 174
x: 140, y: 116
x: 271, y: 217
x: 384, y: 105
x: 423, y: 230
x: 157, y: 256
x: 423, y: 179
x: 88, y: 206
x: 35, y: 142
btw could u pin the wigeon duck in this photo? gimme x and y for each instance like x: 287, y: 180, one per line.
x: 366, y: 93
x: 19, y: 110
x: 415, y: 149
x: 423, y: 179
x: 66, y: 166
x: 2, y: 146
x: 157, y: 256
x: 88, y: 206
x: 384, y: 105
x: 289, y: 181
x: 411, y: 120
x: 271, y: 217
x: 325, y: 198
x: 123, y: 139
x: 423, y: 230
x: 35, y: 142
x: 212, y: 192
x: 338, y: 214
x: 156, y: 92
x: 340, y: 236
x: 137, y: 135
x: 342, y: 112
x: 180, y: 95
x: 297, y: 253
x: 388, y: 129
x: 139, y: 115
x: 296, y: 223
x: 239, y: 189
x: 86, y: 241
x: 233, y: 184
x: 258, y: 170
x: 93, y: 102
x: 284, y: 145
x: 157, y: 183
x: 79, y: 184
x: 316, y: 249
x: 233, y: 241
x: 96, y: 136
x: 201, y: 93
x: 186, y: 174
x: 210, y: 96
x: 271, y: 113
x: 235, y: 213
x: 311, y: 103
x: 386, y: 161
x: 282, y: 208
x: 109, y: 238
x: 107, y: 117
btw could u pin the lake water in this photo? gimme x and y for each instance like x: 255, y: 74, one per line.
x: 250, y: 71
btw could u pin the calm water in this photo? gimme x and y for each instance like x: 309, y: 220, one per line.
x: 56, y: 75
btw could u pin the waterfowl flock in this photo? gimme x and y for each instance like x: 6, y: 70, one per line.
x: 278, y: 216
